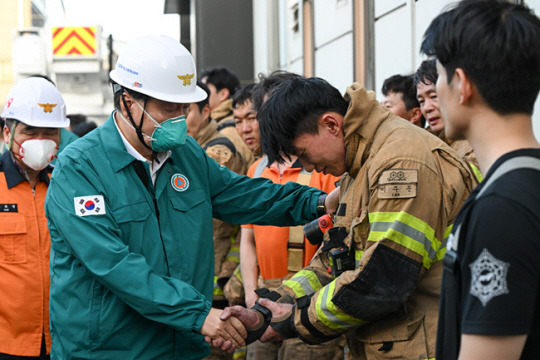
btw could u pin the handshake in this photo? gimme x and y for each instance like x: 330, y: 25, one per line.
x: 237, y: 326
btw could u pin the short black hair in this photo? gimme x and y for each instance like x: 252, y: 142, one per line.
x: 294, y: 109
x: 221, y: 78
x: 9, y: 123
x: 426, y: 73
x: 243, y: 95
x: 43, y: 77
x: 118, y: 91
x: 404, y: 85
x: 201, y: 104
x: 267, y: 84
x: 76, y: 119
x: 83, y: 128
x: 497, y: 44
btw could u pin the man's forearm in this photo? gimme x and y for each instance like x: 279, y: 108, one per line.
x: 248, y: 265
x: 491, y: 347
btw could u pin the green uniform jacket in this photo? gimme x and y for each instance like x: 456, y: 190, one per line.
x: 134, y: 281
x: 66, y: 138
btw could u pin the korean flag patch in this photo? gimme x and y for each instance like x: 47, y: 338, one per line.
x: 89, y: 205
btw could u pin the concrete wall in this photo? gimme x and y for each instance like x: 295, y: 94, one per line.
x: 224, y: 36
x: 333, y: 35
x: 9, y: 22
x: 398, y: 28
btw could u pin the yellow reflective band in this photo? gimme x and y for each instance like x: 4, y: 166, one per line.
x: 476, y: 172
x: 330, y: 315
x: 304, y: 283
x: 406, y: 230
x: 218, y: 292
x: 357, y: 256
x: 442, y: 250
x: 217, y: 289
x: 233, y: 254
x: 447, y: 233
x: 234, y: 233
x: 238, y: 273
x: 240, y: 353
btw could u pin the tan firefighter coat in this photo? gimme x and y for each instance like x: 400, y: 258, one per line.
x: 398, y: 200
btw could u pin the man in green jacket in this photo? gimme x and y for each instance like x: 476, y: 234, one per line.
x: 130, y: 210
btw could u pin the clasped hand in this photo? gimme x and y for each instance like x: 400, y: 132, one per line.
x: 227, y: 329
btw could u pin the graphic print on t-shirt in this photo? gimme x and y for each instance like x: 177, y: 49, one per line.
x: 488, y: 277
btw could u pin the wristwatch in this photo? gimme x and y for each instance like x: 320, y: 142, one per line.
x: 321, y: 208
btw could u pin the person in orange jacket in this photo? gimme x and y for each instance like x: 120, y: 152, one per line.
x: 34, y: 113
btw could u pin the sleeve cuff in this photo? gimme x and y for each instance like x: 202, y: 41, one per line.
x: 199, y: 320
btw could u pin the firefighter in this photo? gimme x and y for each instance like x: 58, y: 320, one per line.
x: 425, y: 79
x: 377, y: 276
x: 34, y: 114
x: 223, y: 84
x: 203, y: 129
x: 130, y: 210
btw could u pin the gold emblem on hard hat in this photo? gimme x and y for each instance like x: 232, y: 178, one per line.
x: 187, y: 78
x: 47, y: 107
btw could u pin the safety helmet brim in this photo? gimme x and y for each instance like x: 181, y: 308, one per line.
x: 196, y: 95
x: 159, y: 67
x: 36, y: 102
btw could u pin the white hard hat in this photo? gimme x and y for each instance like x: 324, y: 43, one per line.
x: 160, y: 67
x: 36, y: 102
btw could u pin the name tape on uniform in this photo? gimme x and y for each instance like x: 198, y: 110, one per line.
x: 9, y: 208
x: 89, y: 205
x: 398, y: 184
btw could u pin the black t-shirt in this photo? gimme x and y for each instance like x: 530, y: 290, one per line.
x: 494, y: 286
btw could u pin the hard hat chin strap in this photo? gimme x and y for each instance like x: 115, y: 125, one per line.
x: 12, y: 135
x: 138, y: 128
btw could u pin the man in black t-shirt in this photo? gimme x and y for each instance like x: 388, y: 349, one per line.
x: 488, y: 59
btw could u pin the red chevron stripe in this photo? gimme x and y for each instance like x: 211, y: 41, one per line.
x: 73, y: 34
x: 62, y: 43
x: 89, y: 31
x: 57, y: 31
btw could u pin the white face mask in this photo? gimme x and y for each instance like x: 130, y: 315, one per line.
x: 37, y: 153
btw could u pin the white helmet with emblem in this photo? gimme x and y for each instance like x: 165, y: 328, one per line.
x: 160, y: 67
x: 36, y: 102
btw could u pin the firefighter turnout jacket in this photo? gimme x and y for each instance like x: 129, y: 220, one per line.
x: 223, y: 115
x: 398, y: 200
x: 466, y: 152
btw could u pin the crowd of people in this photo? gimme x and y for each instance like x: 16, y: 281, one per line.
x: 175, y: 230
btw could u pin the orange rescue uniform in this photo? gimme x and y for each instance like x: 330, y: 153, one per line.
x: 271, y: 241
x: 24, y: 262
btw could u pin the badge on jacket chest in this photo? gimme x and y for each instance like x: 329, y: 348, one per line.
x: 398, y: 184
x: 9, y: 208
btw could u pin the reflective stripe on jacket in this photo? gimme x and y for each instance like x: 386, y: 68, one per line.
x: 403, y: 190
